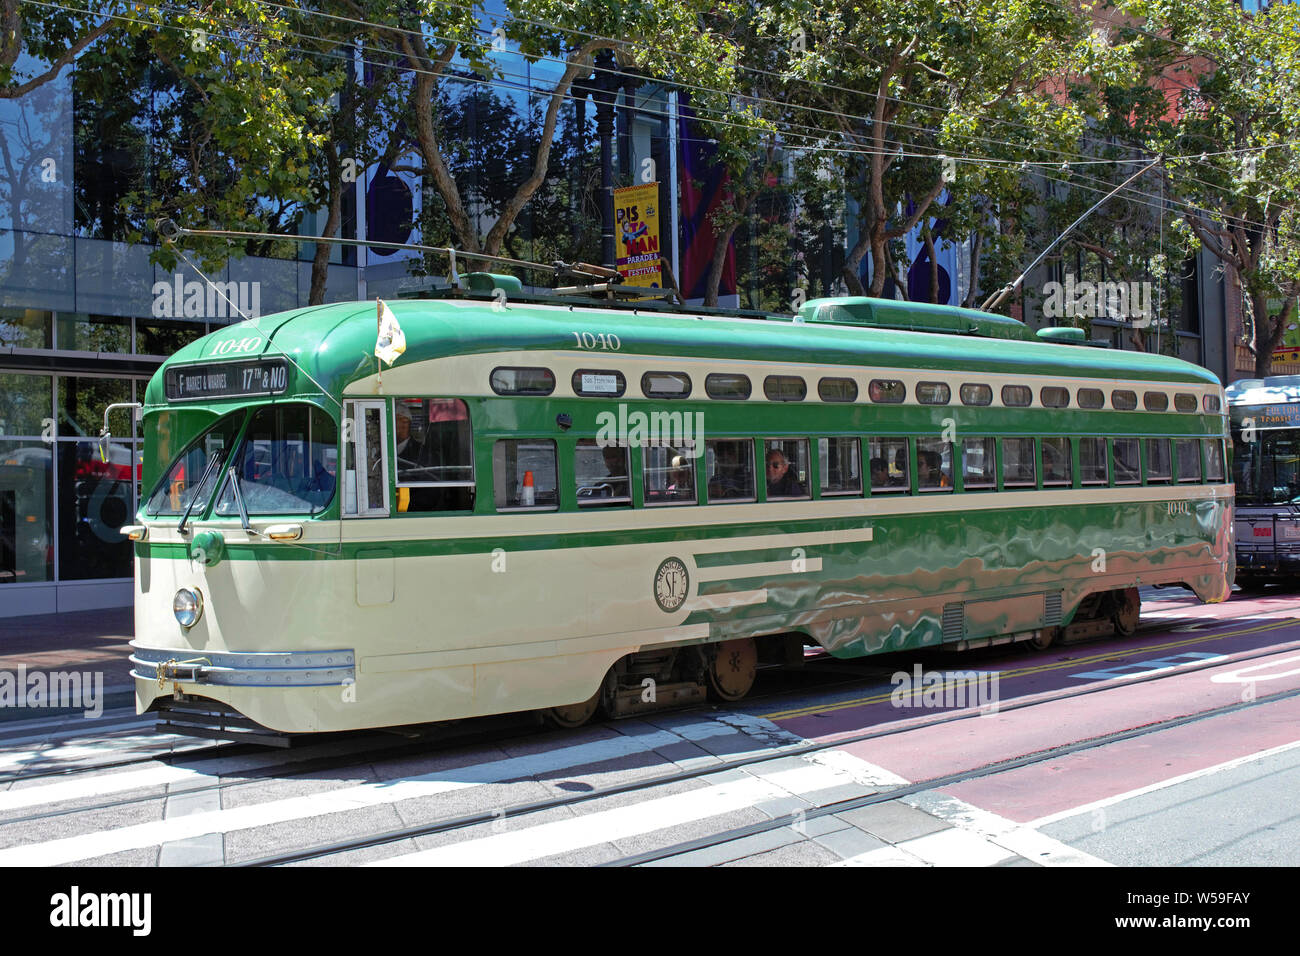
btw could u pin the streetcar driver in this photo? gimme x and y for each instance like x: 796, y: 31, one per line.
x: 410, y: 452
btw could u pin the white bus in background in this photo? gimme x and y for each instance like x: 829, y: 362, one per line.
x: 1265, y: 420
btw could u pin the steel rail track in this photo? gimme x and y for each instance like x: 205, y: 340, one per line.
x: 525, y: 809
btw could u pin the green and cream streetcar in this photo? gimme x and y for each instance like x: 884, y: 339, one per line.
x: 564, y: 506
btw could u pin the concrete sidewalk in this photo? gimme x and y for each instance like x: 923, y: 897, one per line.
x: 84, y: 642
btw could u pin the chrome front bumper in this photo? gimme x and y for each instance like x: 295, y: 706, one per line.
x: 262, y: 669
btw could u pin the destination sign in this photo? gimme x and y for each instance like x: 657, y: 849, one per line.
x: 227, y: 380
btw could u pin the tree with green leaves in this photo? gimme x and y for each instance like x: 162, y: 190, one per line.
x: 37, y: 41
x: 661, y: 39
x: 1233, y: 148
x: 905, y: 83
x: 243, y: 114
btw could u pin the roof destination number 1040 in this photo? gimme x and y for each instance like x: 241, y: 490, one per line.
x: 601, y: 341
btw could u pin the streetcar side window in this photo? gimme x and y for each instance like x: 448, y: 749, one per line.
x: 1212, y: 404
x: 669, y: 474
x: 933, y: 464
x: 1092, y: 460
x: 785, y: 388
x: 979, y: 463
x: 522, y: 381
x: 1123, y: 400
x: 524, y: 475
x: 1188, y: 453
x: 1128, y: 470
x: 1056, y: 461
x: 1155, y: 401
x: 787, y: 468
x: 837, y: 390
x: 889, y: 459
x: 974, y: 393
x: 726, y: 385
x: 1159, y: 464
x: 1017, y: 396
x: 1185, y: 402
x: 1213, y: 459
x: 933, y: 393
x: 365, y: 461
x: 1090, y: 398
x: 729, y: 467
x: 603, y: 475
x: 887, y: 391
x: 666, y: 385
x: 1018, y: 462
x: 1054, y: 396
x: 433, y: 447
x: 840, y: 461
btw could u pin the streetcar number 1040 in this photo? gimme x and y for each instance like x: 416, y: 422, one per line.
x: 605, y: 341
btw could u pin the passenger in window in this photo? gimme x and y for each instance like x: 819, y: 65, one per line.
x: 781, y: 480
x: 930, y: 471
x: 900, y: 465
x: 680, y: 486
x: 879, y: 473
x: 616, y: 466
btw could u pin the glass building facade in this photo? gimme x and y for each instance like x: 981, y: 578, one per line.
x: 85, y: 320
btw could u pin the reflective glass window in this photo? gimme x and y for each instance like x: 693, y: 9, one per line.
x: 287, y: 463
x: 786, y: 461
x: 729, y: 469
x: 669, y: 472
x: 524, y: 475
x: 840, y: 463
x: 888, y: 462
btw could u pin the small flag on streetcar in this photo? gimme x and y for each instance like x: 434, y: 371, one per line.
x: 392, y: 341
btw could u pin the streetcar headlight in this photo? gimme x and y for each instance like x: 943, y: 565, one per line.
x: 187, y: 606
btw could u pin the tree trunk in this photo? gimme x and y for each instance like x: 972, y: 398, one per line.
x: 1268, y: 330
x: 928, y: 238
x: 972, y: 290
x: 853, y: 266
x: 721, y: 244
x: 424, y: 92
x: 879, y: 259
x: 720, y: 247
x: 320, y: 263
x: 578, y: 62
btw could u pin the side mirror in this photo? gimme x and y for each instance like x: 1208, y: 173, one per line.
x: 104, y: 436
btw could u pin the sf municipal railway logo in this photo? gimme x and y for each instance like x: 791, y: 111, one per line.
x: 671, y: 584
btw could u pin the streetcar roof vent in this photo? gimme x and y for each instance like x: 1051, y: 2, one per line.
x: 1063, y: 333
x: 491, y: 281
x: 912, y: 317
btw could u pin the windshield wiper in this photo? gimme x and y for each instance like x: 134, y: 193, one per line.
x: 194, y: 498
x: 233, y: 478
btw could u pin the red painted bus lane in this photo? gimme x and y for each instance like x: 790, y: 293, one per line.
x: 950, y: 748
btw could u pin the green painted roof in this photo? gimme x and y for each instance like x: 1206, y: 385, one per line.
x: 334, y: 344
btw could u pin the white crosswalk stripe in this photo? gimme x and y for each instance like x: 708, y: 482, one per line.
x: 607, y: 826
x: 102, y: 843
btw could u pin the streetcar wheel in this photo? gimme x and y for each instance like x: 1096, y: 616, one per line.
x: 1128, y: 608
x: 735, y: 664
x: 573, y: 715
x: 1044, y: 638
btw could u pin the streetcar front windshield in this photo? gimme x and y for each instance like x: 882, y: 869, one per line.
x: 1266, y: 466
x: 179, y: 485
x: 287, y: 463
